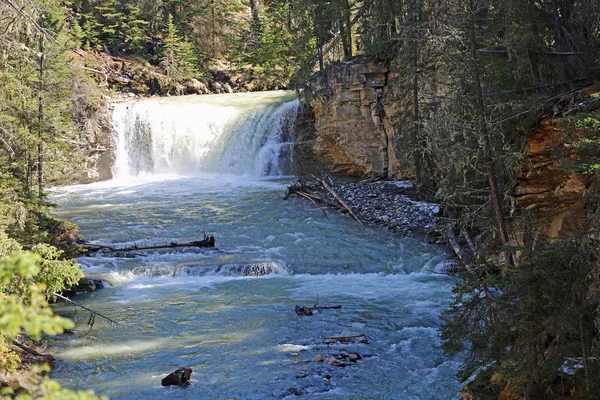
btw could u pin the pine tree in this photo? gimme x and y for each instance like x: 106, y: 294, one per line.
x: 179, y: 61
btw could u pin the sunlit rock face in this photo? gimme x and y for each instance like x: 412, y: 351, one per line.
x: 549, y: 188
x: 346, y: 125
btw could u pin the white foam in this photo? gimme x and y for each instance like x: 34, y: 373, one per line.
x: 292, y: 348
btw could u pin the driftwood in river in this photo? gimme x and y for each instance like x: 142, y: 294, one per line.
x: 362, y: 338
x: 207, y: 242
x: 338, y: 198
x: 93, y: 312
x: 304, y: 310
x: 310, y: 190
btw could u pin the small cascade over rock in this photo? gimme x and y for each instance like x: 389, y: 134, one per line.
x: 242, y: 134
x: 232, y: 270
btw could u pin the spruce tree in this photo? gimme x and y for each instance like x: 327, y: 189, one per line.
x: 179, y: 61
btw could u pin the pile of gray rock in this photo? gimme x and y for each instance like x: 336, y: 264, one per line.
x: 387, y: 204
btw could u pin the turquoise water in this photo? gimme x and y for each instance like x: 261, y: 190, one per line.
x: 197, y: 164
x: 240, y: 334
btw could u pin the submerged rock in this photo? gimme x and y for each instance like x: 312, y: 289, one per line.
x: 353, y: 357
x: 181, y: 377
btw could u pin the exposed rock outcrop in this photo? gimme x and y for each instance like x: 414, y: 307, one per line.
x: 95, y: 131
x: 348, y: 124
x: 548, y: 187
x: 85, y: 285
x: 345, y: 124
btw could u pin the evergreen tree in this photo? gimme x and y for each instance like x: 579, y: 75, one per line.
x: 179, y: 62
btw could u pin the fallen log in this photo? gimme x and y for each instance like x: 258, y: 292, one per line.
x: 362, y: 338
x: 32, y: 350
x: 208, y: 242
x: 319, y: 308
x: 338, y: 198
x: 304, y: 310
x: 306, y: 191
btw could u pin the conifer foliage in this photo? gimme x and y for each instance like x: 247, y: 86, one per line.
x: 179, y: 63
x: 35, y: 117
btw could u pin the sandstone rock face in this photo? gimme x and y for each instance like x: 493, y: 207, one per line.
x: 91, y: 154
x: 345, y: 124
x: 548, y: 187
x: 96, y: 133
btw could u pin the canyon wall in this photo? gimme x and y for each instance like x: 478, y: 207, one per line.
x: 345, y: 124
x: 548, y: 187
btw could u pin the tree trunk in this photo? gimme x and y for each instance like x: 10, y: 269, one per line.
x: 558, y: 47
x: 483, y: 130
x: 416, y: 116
x: 584, y: 355
x: 319, y: 40
x: 346, y: 29
x: 254, y: 10
x: 41, y: 119
x: 213, y: 35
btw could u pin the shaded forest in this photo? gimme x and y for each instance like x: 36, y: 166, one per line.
x: 473, y: 77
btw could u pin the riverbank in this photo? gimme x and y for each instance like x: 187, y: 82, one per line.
x: 385, y: 204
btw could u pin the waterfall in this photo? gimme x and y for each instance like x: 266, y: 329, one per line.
x: 243, y: 134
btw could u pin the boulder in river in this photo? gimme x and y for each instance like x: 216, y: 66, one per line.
x: 85, y: 285
x: 181, y: 377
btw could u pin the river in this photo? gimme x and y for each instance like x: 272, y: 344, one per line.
x: 229, y: 313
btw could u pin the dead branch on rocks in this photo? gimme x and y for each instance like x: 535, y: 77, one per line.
x: 304, y: 310
x: 338, y: 198
x: 313, y: 190
x: 31, y: 350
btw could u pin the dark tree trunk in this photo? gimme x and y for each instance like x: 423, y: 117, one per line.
x: 254, y: 10
x: 558, y: 40
x: 483, y: 130
x: 416, y: 116
x: 319, y: 40
x: 346, y: 29
x: 41, y: 119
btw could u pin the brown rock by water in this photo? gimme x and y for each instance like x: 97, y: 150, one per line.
x: 548, y: 187
x: 85, y: 285
x: 181, y: 377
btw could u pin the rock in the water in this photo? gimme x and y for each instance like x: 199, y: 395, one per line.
x: 85, y: 285
x: 181, y: 377
x: 332, y: 361
x: 303, y: 310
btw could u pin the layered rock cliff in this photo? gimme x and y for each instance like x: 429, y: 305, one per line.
x: 345, y: 123
x: 549, y: 188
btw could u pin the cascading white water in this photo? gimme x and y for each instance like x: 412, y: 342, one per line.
x: 247, y: 133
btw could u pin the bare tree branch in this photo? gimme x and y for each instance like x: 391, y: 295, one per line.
x: 94, y: 313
